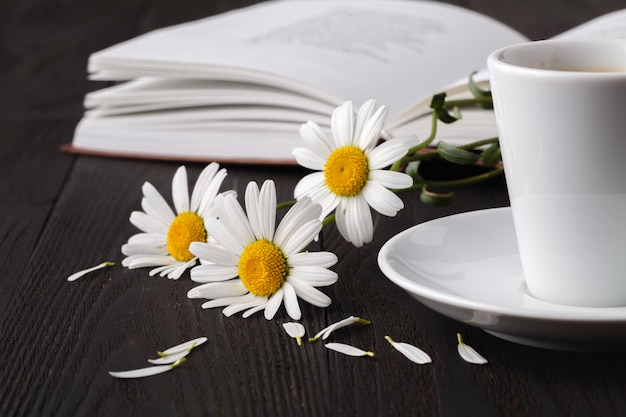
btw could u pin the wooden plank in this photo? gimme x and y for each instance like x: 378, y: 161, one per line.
x: 61, y: 213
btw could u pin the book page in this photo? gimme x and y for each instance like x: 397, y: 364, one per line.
x: 394, y: 51
x: 612, y: 25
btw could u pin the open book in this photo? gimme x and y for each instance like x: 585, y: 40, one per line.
x: 236, y: 87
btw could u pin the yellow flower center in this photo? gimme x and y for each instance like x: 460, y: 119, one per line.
x: 262, y: 268
x: 187, y: 227
x: 346, y: 171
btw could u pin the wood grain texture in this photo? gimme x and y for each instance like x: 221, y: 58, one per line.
x: 62, y: 213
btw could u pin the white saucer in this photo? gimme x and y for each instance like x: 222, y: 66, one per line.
x: 467, y: 267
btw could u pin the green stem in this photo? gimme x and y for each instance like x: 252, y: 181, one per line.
x: 467, y: 181
x: 468, y: 102
x: 431, y: 137
x: 476, y: 144
x: 411, y: 154
x: 328, y: 220
x: 285, y: 204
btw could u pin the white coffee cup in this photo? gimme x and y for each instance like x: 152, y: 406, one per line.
x: 561, y: 113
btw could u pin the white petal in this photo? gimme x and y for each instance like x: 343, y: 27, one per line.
x: 313, y: 275
x: 326, y: 331
x: 295, y: 330
x: 366, y: 111
x: 202, y: 184
x: 381, y: 199
x: 190, y: 344
x: 317, y: 140
x: 386, y: 154
x: 222, y: 235
x: 290, y: 299
x: 372, y: 128
x: 214, y: 290
x: 79, y: 274
x: 409, y: 140
x: 319, y: 259
x: 141, y: 261
x: 251, y: 199
x: 391, y: 179
x: 255, y: 309
x: 227, y: 301
x: 140, y: 373
x: 213, y: 253
x: 213, y: 273
x: 310, y: 185
x: 309, y: 159
x: 145, y: 223
x: 174, y: 353
x: 173, y: 271
x: 468, y: 353
x: 155, y: 213
x: 342, y: 124
x: 154, y: 239
x: 301, y: 238
x: 354, y: 220
x: 273, y: 304
x: 413, y: 353
x: 235, y: 220
x: 319, y: 194
x: 207, y: 204
x: 310, y: 294
x: 348, y: 350
x: 236, y: 308
x: 157, y: 201
x: 267, y: 210
x: 137, y: 249
x: 299, y: 214
x: 180, y: 190
x: 165, y: 360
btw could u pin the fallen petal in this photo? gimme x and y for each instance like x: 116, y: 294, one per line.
x: 348, y: 350
x: 325, y: 332
x: 184, y: 346
x: 171, y: 358
x: 295, y: 330
x: 143, y: 372
x: 468, y: 353
x: 413, y: 353
x: 177, y: 352
x: 79, y: 274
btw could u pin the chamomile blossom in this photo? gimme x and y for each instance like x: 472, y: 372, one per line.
x: 350, y: 175
x: 166, y: 234
x: 253, y: 265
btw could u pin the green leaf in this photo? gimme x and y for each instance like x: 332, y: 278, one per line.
x: 412, y: 169
x: 456, y: 155
x: 438, y: 105
x: 438, y: 101
x: 492, y: 155
x: 479, y: 92
x: 445, y: 116
x: 435, y: 199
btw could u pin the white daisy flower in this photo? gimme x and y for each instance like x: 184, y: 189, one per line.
x: 166, y: 235
x: 255, y: 266
x: 351, y: 175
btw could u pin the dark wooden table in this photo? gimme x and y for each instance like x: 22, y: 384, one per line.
x: 60, y: 213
